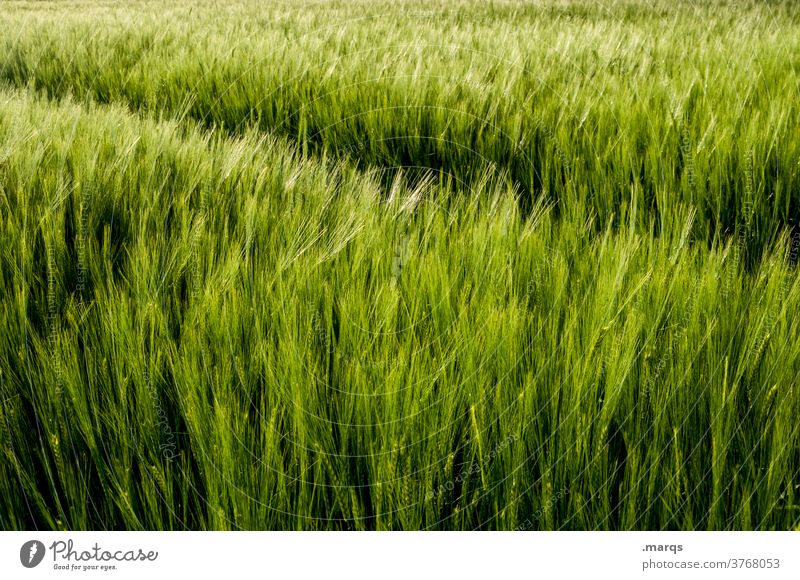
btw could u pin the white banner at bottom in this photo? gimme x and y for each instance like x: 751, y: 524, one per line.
x: 386, y: 555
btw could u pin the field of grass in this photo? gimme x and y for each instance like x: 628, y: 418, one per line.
x: 361, y: 264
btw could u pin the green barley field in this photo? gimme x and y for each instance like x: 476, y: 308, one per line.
x: 394, y: 265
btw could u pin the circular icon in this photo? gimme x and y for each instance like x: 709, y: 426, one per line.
x: 32, y: 553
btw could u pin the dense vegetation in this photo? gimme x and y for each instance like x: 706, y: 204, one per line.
x: 375, y: 265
